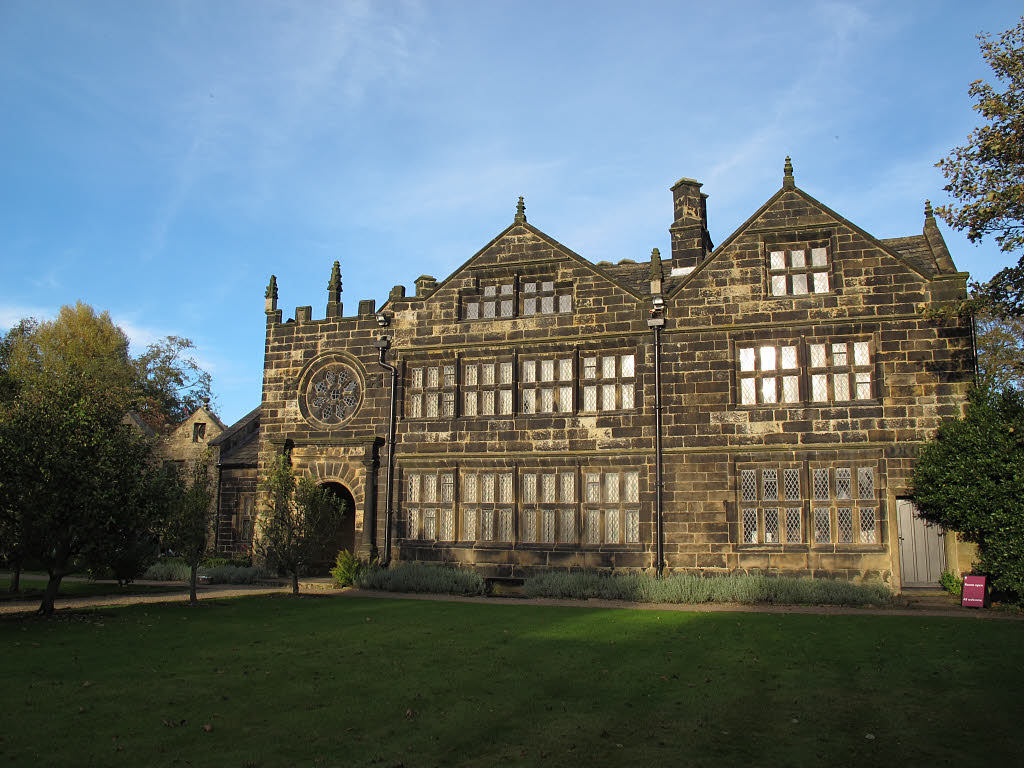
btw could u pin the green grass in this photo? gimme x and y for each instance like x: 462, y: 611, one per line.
x: 33, y: 586
x: 333, y: 681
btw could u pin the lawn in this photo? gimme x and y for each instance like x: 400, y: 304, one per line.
x: 331, y: 681
x: 33, y: 586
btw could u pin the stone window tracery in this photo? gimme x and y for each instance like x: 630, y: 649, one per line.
x: 487, y: 506
x: 332, y: 394
x: 545, y: 297
x: 546, y: 385
x: 432, y: 390
x: 429, y: 503
x: 611, y: 512
x: 608, y: 382
x: 798, y: 270
x: 487, y: 388
x: 548, y: 503
x: 494, y: 301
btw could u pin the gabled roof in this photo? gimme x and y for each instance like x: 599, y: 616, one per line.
x: 237, y: 427
x: 239, y: 443
x: 916, y: 250
x: 907, y: 250
x: 133, y: 419
x: 617, y: 277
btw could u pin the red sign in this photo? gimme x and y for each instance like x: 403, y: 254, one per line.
x: 974, y: 592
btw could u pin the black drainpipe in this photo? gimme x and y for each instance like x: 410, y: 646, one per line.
x: 383, y: 343
x: 656, y: 322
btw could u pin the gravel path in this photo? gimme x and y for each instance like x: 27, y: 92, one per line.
x: 928, y: 603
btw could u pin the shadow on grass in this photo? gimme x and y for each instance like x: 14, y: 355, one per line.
x: 284, y: 681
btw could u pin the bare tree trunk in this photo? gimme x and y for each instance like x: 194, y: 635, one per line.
x: 295, y: 582
x: 52, y: 586
x: 15, y: 578
x: 192, y: 577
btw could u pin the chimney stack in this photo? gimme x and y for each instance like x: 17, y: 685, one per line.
x: 691, y: 242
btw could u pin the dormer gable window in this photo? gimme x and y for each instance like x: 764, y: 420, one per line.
x: 799, y: 269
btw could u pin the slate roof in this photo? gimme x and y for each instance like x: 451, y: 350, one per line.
x: 239, y: 443
x: 914, y: 249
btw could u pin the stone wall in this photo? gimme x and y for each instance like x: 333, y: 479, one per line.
x: 456, y: 434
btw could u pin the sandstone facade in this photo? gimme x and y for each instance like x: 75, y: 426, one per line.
x: 799, y: 375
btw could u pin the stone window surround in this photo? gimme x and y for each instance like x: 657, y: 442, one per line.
x: 517, y: 295
x: 805, y: 372
x: 626, y: 504
x: 797, y: 240
x: 432, y: 393
x: 576, y: 356
x: 865, y: 517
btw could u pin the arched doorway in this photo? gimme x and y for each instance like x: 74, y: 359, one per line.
x: 344, y: 536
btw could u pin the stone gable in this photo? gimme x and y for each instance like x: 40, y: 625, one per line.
x: 798, y: 375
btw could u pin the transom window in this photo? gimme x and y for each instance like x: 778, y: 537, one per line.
x: 837, y: 371
x: 493, y: 301
x: 547, y: 385
x: 544, y: 298
x: 840, y: 371
x: 429, y: 503
x: 609, y: 382
x: 769, y: 374
x: 487, y: 506
x: 611, y: 514
x: 844, y: 505
x: 549, y: 507
x: 432, y: 391
x: 772, y: 506
x: 798, y: 271
x: 487, y: 389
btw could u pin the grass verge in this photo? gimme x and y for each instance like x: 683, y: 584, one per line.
x: 279, y: 681
x: 33, y: 586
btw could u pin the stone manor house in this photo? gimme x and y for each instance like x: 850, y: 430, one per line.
x: 519, y: 413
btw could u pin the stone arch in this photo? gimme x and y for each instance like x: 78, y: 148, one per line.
x: 344, y: 536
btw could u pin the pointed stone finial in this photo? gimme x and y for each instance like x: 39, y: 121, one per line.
x: 335, y: 283
x: 520, y: 211
x: 657, y: 273
x: 271, y: 297
x: 928, y: 212
x: 334, y: 307
x: 787, y: 174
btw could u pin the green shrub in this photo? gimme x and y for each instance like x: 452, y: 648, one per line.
x: 951, y: 583
x: 347, y: 568
x: 416, y: 577
x: 215, y: 562
x: 168, y: 569
x: 233, y: 574
x: 692, y: 588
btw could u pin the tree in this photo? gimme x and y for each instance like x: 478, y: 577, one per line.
x: 191, y: 518
x: 302, y: 515
x: 171, y: 385
x: 970, y: 479
x: 77, y: 486
x: 986, y: 175
x: 1000, y: 348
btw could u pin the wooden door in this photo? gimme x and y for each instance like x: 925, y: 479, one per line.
x: 922, y: 548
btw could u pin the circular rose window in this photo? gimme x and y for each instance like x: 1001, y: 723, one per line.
x: 332, y: 394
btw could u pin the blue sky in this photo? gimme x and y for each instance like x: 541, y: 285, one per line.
x: 161, y: 159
